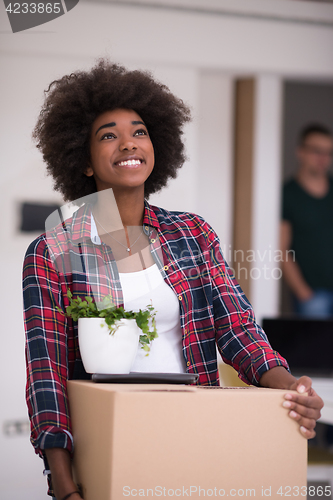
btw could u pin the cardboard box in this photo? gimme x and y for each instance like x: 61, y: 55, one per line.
x: 184, y: 441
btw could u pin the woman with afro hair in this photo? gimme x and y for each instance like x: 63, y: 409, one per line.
x: 110, y: 138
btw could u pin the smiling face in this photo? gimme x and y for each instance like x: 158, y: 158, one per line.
x: 121, y: 152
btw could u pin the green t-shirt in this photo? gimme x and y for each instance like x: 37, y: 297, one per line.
x: 312, y: 224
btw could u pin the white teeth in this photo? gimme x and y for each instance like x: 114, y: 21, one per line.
x: 129, y: 162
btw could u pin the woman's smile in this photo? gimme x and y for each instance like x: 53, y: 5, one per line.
x: 129, y: 162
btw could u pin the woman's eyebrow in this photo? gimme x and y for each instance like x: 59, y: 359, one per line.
x: 113, y: 124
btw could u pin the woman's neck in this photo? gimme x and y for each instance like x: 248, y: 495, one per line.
x: 131, y: 209
x: 119, y: 209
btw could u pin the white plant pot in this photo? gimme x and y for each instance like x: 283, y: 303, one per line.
x: 102, y: 352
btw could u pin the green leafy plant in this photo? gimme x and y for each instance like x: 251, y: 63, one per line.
x: 87, y: 308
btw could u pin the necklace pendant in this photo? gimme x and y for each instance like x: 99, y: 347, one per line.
x: 128, y: 249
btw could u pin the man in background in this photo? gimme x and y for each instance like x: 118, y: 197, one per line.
x: 307, y: 225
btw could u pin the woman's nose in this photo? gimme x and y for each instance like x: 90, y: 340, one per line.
x: 127, y: 144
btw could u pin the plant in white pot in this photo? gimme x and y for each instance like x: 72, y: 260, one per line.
x: 109, y: 336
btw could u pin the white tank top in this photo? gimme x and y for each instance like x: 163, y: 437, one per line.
x: 148, y: 287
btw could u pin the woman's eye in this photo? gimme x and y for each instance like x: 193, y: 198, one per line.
x: 107, y: 136
x: 141, y: 132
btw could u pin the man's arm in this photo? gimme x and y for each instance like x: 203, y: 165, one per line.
x: 305, y: 409
x: 291, y: 271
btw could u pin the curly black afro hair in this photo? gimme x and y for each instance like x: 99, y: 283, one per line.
x: 73, y: 103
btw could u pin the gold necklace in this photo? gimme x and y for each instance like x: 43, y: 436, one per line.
x: 128, y: 247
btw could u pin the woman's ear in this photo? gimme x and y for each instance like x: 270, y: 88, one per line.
x: 89, y: 171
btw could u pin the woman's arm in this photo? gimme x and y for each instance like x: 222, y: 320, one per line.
x: 241, y: 341
x: 247, y: 349
x: 61, y: 471
x: 47, y: 352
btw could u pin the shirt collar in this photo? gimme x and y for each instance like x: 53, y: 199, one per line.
x: 81, y: 223
x: 149, y: 218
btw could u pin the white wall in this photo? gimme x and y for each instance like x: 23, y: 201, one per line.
x: 266, y: 270
x: 215, y: 152
x: 197, y: 55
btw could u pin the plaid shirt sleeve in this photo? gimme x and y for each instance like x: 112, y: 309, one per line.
x: 242, y: 343
x: 46, y: 351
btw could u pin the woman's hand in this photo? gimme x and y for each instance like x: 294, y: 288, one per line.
x: 304, y: 409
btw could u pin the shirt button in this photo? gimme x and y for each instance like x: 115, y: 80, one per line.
x: 166, y: 268
x: 180, y: 297
x: 188, y: 363
x: 146, y: 228
x: 153, y: 241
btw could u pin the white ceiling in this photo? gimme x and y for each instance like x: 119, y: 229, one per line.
x: 318, y: 12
